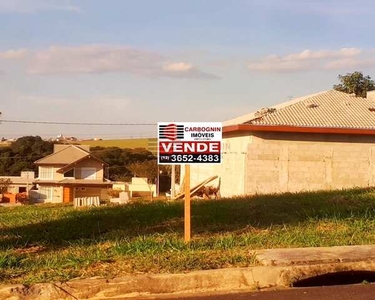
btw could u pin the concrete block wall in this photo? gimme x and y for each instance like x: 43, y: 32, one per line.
x: 291, y: 162
x: 232, y: 170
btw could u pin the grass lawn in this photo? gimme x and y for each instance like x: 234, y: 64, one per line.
x: 44, y: 243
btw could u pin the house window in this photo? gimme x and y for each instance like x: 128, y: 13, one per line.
x: 88, y: 173
x: 45, y: 193
x: 46, y: 172
x: 21, y: 189
x: 70, y: 173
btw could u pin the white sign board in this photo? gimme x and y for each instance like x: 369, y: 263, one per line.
x: 189, y: 143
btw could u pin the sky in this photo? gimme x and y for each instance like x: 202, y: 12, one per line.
x: 144, y: 61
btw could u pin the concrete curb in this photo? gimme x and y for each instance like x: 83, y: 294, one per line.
x: 222, y: 280
x: 199, y: 281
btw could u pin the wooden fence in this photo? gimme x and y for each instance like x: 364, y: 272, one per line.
x: 86, y: 201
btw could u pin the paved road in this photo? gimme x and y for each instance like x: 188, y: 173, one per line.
x: 342, y: 292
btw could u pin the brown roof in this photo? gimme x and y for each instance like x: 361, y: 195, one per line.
x: 330, y: 109
x: 65, y: 156
x: 49, y: 181
x: 70, y: 166
x: 75, y: 182
x: 85, y: 182
x: 18, y: 179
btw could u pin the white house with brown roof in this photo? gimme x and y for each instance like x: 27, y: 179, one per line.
x: 321, y: 141
x: 71, y: 171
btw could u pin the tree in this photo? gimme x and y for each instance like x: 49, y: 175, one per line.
x: 355, y: 83
x: 147, y: 169
x: 6, y: 160
x: 5, y: 185
x: 22, y: 153
x: 167, y: 170
x: 119, y: 160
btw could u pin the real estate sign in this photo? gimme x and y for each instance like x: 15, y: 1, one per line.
x: 189, y: 143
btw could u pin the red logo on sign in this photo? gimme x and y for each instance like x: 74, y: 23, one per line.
x: 170, y: 131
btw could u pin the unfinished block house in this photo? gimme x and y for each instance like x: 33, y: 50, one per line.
x: 317, y: 142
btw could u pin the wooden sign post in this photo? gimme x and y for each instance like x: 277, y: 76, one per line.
x: 188, y: 143
x: 187, y: 216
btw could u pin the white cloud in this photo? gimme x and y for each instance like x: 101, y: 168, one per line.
x: 349, y: 64
x: 33, y: 6
x: 185, y: 70
x: 305, y: 60
x: 104, y: 59
x: 323, y: 54
x: 13, y: 54
x: 178, y: 67
x: 275, y: 63
x: 92, y: 59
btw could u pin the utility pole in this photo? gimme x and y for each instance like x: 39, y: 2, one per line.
x: 158, y: 182
x: 187, y: 217
x: 173, y: 182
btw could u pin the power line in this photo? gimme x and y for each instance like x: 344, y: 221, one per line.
x: 90, y: 134
x: 76, y: 123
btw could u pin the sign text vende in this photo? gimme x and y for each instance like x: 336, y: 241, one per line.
x: 191, y: 147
